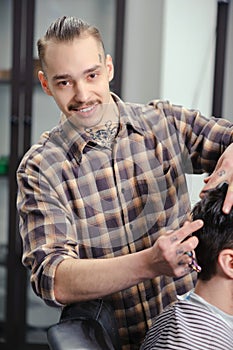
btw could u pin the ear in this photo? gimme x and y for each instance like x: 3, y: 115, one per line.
x: 110, y: 67
x: 225, y: 260
x: 44, y: 83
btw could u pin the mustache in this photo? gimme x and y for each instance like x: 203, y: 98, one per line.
x: 79, y: 105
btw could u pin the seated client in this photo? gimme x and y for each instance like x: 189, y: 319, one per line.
x: 203, y: 318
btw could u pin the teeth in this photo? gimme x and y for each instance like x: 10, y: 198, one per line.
x: 87, y: 109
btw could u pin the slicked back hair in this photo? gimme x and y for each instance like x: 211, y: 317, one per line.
x: 217, y: 232
x: 66, y: 29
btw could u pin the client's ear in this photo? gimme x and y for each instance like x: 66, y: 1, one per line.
x: 225, y: 260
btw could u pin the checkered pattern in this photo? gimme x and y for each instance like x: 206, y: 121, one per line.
x: 79, y: 200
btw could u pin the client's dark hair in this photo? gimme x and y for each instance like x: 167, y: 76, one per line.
x: 217, y: 232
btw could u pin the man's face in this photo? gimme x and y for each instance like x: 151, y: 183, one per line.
x: 78, y: 76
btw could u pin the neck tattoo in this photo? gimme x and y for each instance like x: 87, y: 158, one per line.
x: 104, y: 137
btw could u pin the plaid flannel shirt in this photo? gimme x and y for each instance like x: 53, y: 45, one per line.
x: 79, y: 200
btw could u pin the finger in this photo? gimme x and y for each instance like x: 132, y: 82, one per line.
x: 183, y: 270
x: 186, y: 230
x: 207, y: 178
x: 169, y: 232
x: 228, y: 203
x: 190, y: 263
x: 186, y: 223
x: 187, y: 246
x: 185, y: 259
x: 212, y: 181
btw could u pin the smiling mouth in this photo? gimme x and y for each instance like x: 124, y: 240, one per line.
x: 84, y: 109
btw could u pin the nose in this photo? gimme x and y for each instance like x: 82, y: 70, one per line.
x: 81, y: 91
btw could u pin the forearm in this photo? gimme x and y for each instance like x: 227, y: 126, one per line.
x: 84, y: 279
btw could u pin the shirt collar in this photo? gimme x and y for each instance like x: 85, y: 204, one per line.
x: 129, y: 114
x: 76, y: 141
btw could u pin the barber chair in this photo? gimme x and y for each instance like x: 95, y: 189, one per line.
x: 85, y: 325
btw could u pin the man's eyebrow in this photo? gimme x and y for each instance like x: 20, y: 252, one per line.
x: 68, y: 76
x: 92, y: 69
x: 61, y: 76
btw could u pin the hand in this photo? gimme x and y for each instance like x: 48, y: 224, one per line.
x: 169, y: 251
x: 223, y: 173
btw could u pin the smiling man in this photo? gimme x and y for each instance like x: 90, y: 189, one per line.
x: 78, y: 78
x: 103, y: 199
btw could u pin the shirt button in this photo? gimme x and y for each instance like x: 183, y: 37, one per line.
x: 130, y: 226
x: 122, y: 190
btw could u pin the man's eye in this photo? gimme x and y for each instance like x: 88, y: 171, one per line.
x: 64, y: 83
x: 93, y: 75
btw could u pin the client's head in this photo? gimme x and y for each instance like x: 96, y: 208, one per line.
x: 217, y: 233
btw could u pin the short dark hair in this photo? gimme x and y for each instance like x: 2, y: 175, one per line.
x: 66, y: 29
x: 217, y: 232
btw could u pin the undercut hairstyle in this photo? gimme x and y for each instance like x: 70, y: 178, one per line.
x: 66, y: 29
x: 217, y: 232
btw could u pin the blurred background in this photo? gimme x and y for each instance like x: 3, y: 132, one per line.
x: 176, y: 50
